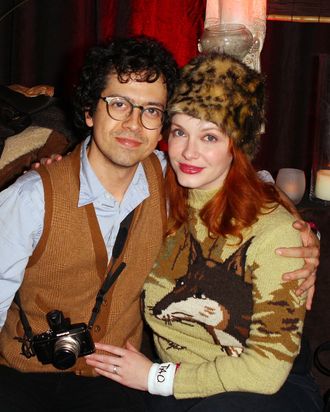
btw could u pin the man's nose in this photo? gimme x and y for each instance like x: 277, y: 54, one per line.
x: 134, y: 119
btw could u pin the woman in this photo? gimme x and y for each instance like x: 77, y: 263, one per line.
x: 224, y: 323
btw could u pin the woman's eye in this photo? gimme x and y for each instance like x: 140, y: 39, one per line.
x: 210, y: 138
x: 177, y: 132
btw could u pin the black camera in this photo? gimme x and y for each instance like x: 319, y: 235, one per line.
x: 63, y: 343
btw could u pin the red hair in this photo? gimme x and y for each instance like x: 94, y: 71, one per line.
x: 235, y: 206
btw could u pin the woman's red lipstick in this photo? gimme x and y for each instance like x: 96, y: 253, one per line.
x: 189, y: 169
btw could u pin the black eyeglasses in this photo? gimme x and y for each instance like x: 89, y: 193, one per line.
x: 119, y: 108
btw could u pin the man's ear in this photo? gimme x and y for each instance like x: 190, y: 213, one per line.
x: 88, y: 119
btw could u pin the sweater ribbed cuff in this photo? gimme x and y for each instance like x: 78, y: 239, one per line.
x: 161, y: 378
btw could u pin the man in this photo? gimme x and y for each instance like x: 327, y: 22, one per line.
x: 58, y: 231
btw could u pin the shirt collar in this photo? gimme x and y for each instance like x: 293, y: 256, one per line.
x: 91, y: 188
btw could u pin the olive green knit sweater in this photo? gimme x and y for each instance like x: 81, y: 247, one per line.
x: 222, y: 310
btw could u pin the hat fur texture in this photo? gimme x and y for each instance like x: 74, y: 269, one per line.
x: 223, y: 90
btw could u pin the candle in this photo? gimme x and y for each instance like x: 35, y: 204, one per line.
x: 322, y: 185
x: 293, y: 191
x: 292, y: 183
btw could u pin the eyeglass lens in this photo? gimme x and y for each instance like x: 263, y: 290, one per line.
x: 120, y: 108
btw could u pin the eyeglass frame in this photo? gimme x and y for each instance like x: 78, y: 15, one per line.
x: 134, y: 106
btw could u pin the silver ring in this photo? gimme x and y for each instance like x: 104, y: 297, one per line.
x: 115, y: 370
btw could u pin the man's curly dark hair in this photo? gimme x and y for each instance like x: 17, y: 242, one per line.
x: 140, y: 55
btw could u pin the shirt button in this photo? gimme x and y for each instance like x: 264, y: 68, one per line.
x: 97, y: 328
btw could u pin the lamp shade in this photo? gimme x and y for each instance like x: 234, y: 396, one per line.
x: 250, y: 13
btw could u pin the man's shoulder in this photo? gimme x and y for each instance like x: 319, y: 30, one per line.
x: 61, y: 169
x: 155, y: 166
x: 24, y: 199
x: 162, y: 158
x: 27, y: 183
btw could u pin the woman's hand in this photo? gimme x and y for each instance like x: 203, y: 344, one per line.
x: 47, y: 161
x: 310, y: 252
x: 126, y: 365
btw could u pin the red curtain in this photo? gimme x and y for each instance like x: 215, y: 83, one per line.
x: 178, y: 24
x: 45, y: 42
x: 108, y: 13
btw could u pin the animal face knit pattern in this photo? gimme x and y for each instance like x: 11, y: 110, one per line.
x: 222, y: 310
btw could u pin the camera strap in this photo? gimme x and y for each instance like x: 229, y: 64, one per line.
x: 112, y: 276
x: 27, y: 348
x: 109, y: 281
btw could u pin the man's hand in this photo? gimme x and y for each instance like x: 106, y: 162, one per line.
x: 310, y: 252
x: 47, y: 160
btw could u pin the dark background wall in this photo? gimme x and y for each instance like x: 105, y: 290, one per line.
x: 44, y: 42
x: 290, y: 60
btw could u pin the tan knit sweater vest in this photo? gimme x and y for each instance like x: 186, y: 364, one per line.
x: 69, y: 265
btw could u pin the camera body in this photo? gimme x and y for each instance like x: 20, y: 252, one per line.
x: 63, y: 343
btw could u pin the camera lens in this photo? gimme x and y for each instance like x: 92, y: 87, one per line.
x: 66, y: 352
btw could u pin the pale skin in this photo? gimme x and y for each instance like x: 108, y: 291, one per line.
x: 200, y: 158
x: 133, y: 366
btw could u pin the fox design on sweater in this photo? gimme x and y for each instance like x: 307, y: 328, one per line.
x: 206, y: 295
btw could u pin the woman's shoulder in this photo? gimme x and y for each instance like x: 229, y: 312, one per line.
x: 278, y: 216
x: 275, y: 226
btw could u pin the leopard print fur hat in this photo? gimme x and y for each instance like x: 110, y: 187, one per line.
x: 220, y: 89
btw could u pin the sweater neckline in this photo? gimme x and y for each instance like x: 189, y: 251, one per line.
x: 199, y: 197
